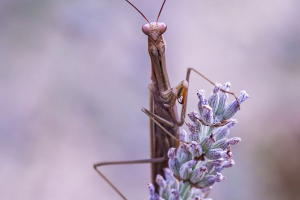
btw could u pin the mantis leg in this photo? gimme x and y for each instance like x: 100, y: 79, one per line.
x: 183, y: 92
x: 152, y: 133
x: 152, y: 160
x: 211, y: 82
x: 153, y: 117
x: 158, y: 118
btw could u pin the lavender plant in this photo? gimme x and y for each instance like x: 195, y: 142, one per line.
x: 204, y: 151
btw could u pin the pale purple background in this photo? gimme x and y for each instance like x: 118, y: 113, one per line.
x: 74, y: 76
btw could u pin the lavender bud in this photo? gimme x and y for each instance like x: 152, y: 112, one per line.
x: 197, y: 198
x: 208, y: 142
x: 221, y: 144
x: 208, y: 116
x: 169, y: 175
x: 195, y: 149
x: 223, y: 99
x: 219, y: 177
x: 213, y: 99
x: 233, y: 141
x: 233, y: 107
x: 223, y: 131
x: 174, y: 165
x: 228, y: 163
x: 214, y: 154
x: 153, y: 195
x: 161, y: 181
x: 199, y: 127
x: 206, y: 181
x: 194, y: 137
x: 163, y: 190
x: 183, y: 154
x: 193, y: 116
x: 225, y: 164
x: 201, y: 96
x: 217, y: 170
x: 209, y: 180
x: 192, y: 127
x: 198, y: 131
x: 170, y: 179
x: 174, y: 195
x: 151, y: 189
x: 227, y: 154
x: 172, y: 153
x: 186, y: 169
x: 173, y: 162
x: 183, y: 135
x: 224, y: 143
x: 198, y: 174
x: 217, y: 88
x: 211, y: 164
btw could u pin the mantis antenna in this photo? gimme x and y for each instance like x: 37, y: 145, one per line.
x: 160, y: 10
x: 138, y: 11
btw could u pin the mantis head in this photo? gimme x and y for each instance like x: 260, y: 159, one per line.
x: 154, y: 29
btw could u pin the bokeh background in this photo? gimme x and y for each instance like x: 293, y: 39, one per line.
x: 74, y: 76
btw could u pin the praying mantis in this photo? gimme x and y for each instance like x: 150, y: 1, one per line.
x: 164, y: 118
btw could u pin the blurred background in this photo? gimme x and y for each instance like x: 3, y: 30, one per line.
x: 74, y: 76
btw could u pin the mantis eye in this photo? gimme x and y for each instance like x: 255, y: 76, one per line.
x: 146, y: 29
x: 162, y: 27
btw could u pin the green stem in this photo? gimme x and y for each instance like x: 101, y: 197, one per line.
x: 184, y: 190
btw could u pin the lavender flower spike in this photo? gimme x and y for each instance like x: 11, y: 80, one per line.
x: 204, y: 151
x: 233, y: 107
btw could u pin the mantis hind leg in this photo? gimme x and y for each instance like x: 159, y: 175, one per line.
x: 152, y: 160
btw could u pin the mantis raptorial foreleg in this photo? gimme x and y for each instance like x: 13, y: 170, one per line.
x: 158, y: 118
x: 181, y: 91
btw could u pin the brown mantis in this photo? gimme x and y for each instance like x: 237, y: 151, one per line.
x: 164, y: 119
